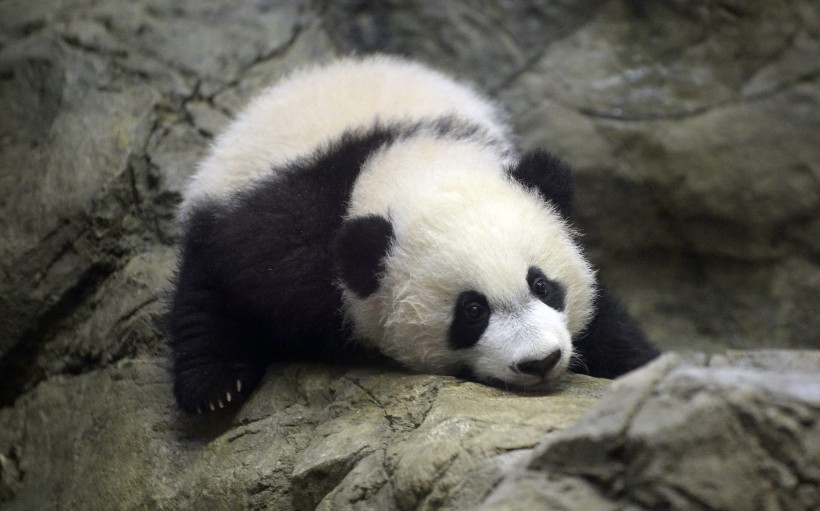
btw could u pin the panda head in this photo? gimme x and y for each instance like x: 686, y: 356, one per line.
x: 482, y: 278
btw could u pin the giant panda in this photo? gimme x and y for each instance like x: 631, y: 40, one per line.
x: 375, y: 205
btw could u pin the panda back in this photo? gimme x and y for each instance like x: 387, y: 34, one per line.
x: 314, y: 107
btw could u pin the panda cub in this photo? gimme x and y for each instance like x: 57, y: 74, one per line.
x: 375, y: 204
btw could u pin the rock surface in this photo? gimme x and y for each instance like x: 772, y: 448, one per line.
x: 740, y: 431
x: 722, y: 433
x: 338, y: 439
x: 695, y: 131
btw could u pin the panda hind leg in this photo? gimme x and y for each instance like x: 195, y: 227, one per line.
x: 215, y: 364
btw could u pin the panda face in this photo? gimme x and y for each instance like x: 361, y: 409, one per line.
x: 497, y: 300
x: 522, y: 344
x: 480, y: 275
x: 510, y: 329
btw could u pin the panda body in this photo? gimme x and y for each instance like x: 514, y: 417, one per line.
x: 376, y: 204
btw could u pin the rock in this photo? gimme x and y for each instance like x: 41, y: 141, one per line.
x: 340, y: 438
x: 101, y: 122
x: 736, y: 431
x: 359, y: 438
x: 492, y: 44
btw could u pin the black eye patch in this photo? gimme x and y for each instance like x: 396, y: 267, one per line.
x: 470, y: 318
x: 550, y: 292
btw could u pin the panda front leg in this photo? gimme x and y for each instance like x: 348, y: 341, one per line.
x: 215, y: 361
x: 613, y: 343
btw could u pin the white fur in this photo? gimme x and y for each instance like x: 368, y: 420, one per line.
x: 530, y: 331
x: 306, y: 110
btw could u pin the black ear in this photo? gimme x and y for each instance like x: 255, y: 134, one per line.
x: 550, y: 176
x: 359, y: 249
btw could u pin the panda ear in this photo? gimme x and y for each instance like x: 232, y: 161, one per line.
x: 359, y: 249
x: 550, y: 176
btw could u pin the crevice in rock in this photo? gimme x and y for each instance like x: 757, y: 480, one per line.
x: 236, y: 80
x: 773, y: 447
x: 321, y: 480
x: 242, y: 433
x: 646, y: 394
x: 135, y: 194
x: 433, y: 390
x: 422, y: 499
x: 511, y: 78
x: 367, y: 392
x: 387, y: 417
x: 128, y: 315
x: 694, y: 112
x: 692, y: 500
x: 12, y: 474
x: 155, y: 206
x: 74, y: 42
x: 19, y: 366
x: 371, y: 489
x: 97, y: 243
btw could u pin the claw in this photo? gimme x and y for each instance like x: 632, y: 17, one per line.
x: 199, y: 410
x: 239, y: 385
x: 228, y: 396
x: 221, y: 404
x: 211, y: 406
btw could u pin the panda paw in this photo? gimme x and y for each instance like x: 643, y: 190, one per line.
x: 205, y: 389
x: 221, y: 402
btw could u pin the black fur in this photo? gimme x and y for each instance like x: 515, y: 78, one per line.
x: 550, y: 176
x: 467, y: 326
x: 552, y: 293
x: 613, y: 343
x: 256, y: 279
x: 360, y: 246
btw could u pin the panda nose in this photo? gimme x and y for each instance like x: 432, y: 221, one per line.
x: 539, y: 367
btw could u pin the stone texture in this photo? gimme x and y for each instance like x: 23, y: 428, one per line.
x: 492, y: 42
x: 338, y: 439
x: 700, y: 119
x: 735, y: 431
x: 693, y: 126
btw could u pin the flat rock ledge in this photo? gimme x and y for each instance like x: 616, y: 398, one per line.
x: 734, y: 431
x: 312, y: 436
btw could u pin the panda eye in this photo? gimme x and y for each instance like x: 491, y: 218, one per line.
x: 474, y: 312
x: 548, y: 291
x: 540, y: 287
x: 471, y: 316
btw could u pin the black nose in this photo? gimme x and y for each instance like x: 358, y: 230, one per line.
x: 539, y: 367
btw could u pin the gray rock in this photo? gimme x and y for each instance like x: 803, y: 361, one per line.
x: 740, y: 431
x: 102, y: 119
x: 341, y: 438
x: 492, y: 43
